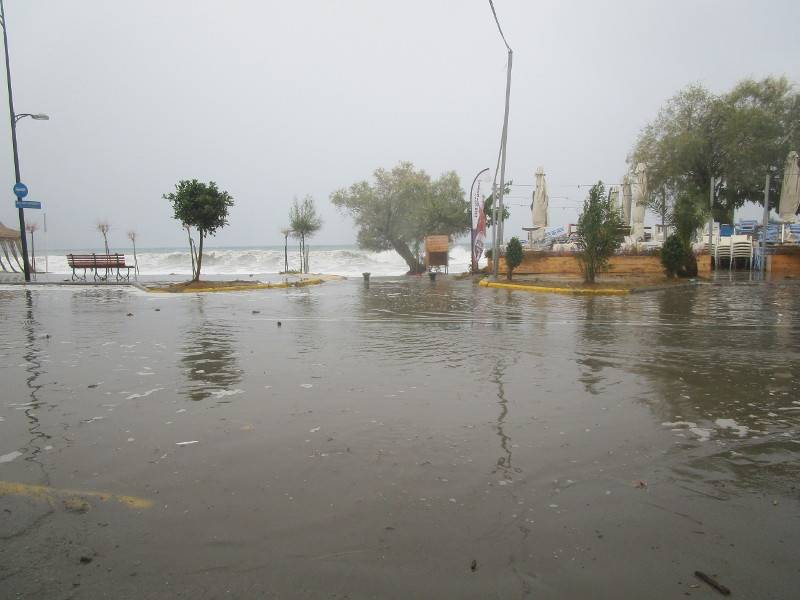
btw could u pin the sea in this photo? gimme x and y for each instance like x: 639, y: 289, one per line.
x: 348, y: 261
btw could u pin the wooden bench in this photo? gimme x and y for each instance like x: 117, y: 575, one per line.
x: 97, y: 263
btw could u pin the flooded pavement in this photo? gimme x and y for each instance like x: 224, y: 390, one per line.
x: 406, y: 440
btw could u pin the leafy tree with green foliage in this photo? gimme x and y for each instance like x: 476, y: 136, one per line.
x: 513, y: 255
x: 599, y: 232
x: 488, y: 205
x: 737, y: 138
x: 202, y: 206
x: 304, y: 222
x: 401, y: 207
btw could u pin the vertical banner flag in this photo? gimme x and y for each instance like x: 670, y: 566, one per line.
x: 478, y: 224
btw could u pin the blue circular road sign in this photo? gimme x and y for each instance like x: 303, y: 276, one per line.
x: 20, y: 190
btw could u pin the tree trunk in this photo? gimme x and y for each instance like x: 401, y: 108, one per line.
x: 191, y: 252
x: 414, y: 266
x: 199, y: 256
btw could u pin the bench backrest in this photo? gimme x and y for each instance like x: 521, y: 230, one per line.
x: 102, y: 261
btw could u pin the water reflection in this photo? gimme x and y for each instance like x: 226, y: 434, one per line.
x: 209, y: 359
x: 597, y: 342
x: 33, y: 369
x: 504, y: 465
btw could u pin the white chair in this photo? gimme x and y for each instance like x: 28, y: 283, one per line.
x: 722, y: 250
x: 741, y: 247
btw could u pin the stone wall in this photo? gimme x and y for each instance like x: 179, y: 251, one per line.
x: 545, y: 263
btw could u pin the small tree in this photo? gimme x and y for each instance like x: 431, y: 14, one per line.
x: 513, y: 255
x: 201, y: 206
x: 688, y: 215
x: 32, y: 228
x: 103, y: 227
x: 673, y: 256
x: 599, y: 232
x: 305, y: 223
x: 132, y: 238
x: 285, y: 232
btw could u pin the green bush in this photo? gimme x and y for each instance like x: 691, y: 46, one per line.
x: 673, y: 256
x: 513, y: 255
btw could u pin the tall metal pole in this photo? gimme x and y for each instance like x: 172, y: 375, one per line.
x: 764, y: 226
x: 496, y: 255
x: 497, y: 198
x: 711, y: 221
x: 26, y: 265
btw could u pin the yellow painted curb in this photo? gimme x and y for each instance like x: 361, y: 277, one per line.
x: 555, y: 290
x: 42, y: 492
x: 240, y: 288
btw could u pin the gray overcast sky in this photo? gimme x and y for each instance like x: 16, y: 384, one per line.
x: 276, y: 99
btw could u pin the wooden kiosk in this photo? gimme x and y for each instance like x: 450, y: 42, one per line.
x: 437, y: 250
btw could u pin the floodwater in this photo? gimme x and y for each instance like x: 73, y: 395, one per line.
x: 412, y: 439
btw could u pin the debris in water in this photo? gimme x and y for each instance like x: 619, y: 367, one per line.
x: 144, y: 394
x: 129, y: 314
x: 306, y: 385
x: 223, y: 393
x: 187, y: 443
x: 713, y: 583
x: 315, y: 430
x: 279, y: 323
x: 740, y: 430
x: 10, y: 456
x: 473, y: 566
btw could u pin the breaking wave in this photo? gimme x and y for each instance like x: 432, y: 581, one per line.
x: 335, y: 260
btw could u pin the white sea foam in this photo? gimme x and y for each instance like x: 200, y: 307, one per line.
x: 348, y: 261
x: 740, y: 430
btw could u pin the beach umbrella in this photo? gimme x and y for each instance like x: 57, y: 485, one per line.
x: 10, y: 246
x: 790, y: 190
x: 540, y: 206
x: 626, y: 200
x: 639, y: 202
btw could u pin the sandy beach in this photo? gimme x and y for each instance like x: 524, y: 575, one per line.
x: 410, y: 439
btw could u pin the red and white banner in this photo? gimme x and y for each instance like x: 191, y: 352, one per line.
x: 478, y: 223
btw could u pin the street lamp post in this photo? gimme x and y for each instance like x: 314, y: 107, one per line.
x: 14, y: 118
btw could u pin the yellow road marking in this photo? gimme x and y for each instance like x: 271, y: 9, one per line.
x: 556, y: 290
x: 43, y: 492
